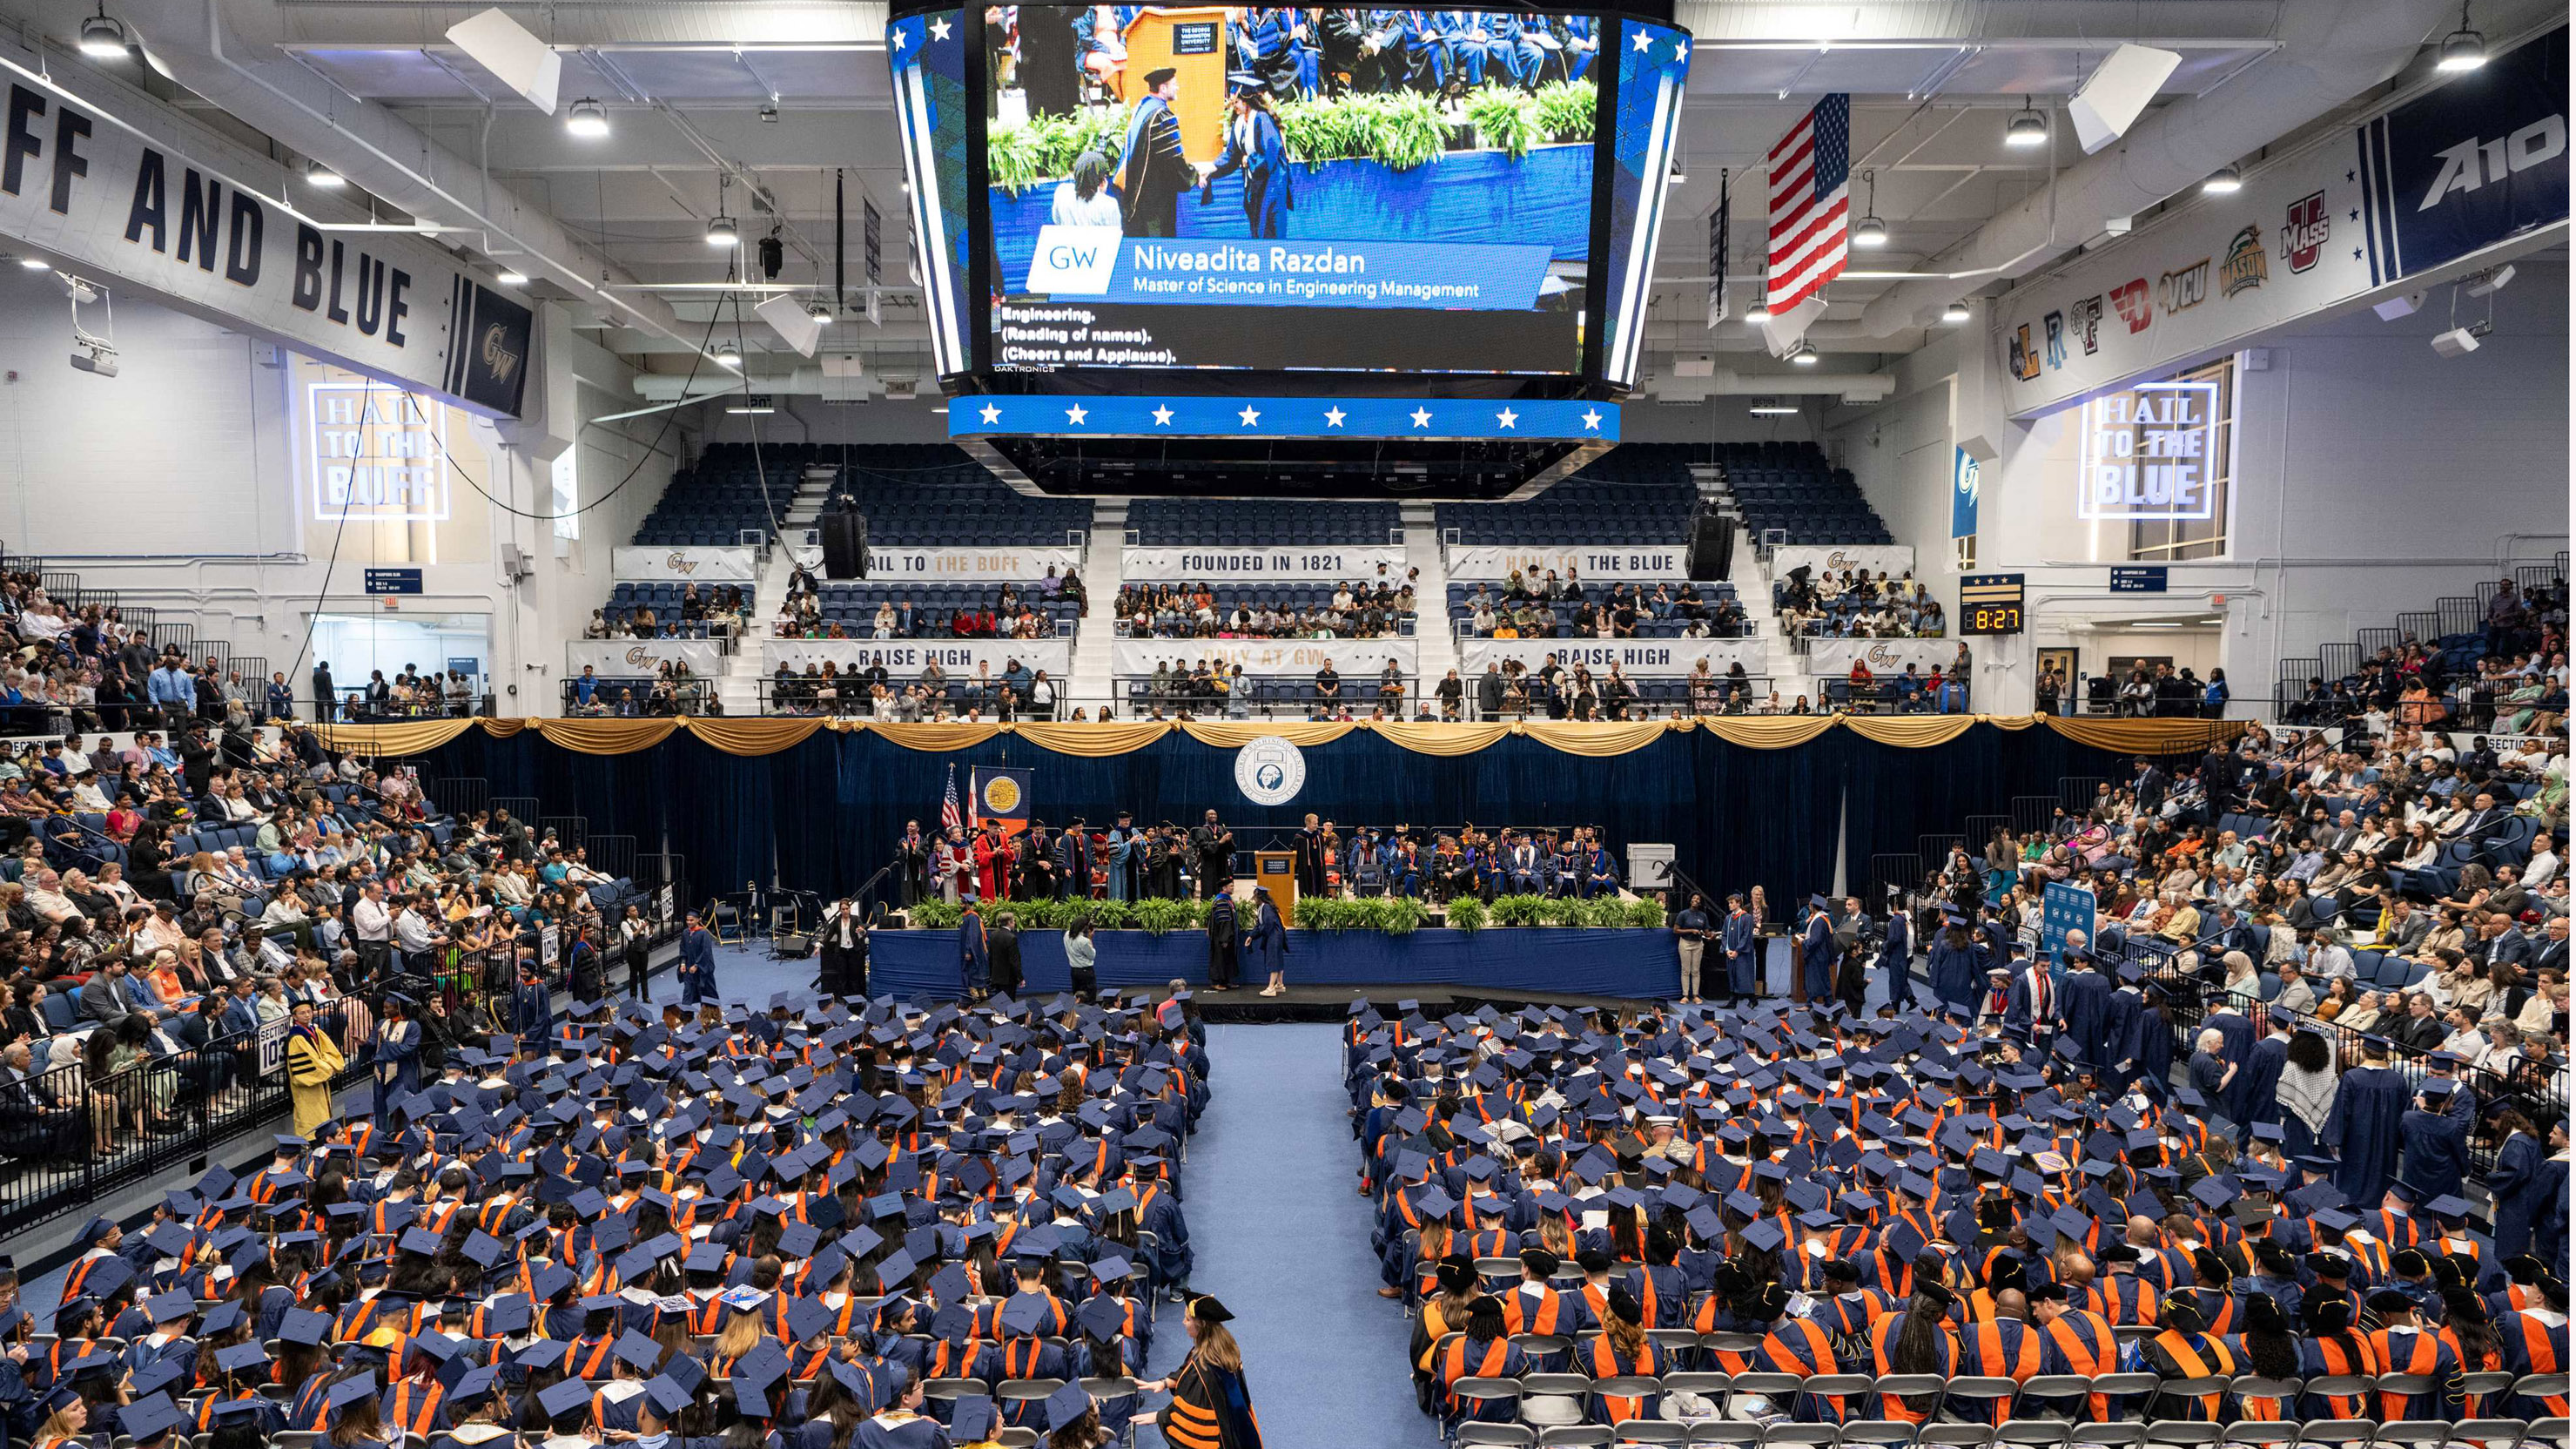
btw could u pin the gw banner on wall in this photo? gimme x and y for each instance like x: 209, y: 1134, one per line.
x: 1833, y: 657
x: 904, y: 659
x: 638, y: 658
x: 2477, y: 162
x: 133, y: 192
x: 688, y: 565
x: 1321, y: 561
x: 1351, y: 657
x: 1647, y: 658
x: 1893, y: 560
x: 1496, y: 562
x: 956, y: 565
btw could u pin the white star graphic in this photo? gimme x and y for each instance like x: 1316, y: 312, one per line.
x: 1250, y: 415
x: 1422, y: 417
x: 902, y: 38
x: 1592, y: 419
x: 990, y: 414
x: 1333, y: 417
x: 1162, y: 417
x: 1681, y: 48
x: 1076, y: 413
x: 1507, y: 417
x: 939, y: 28
x: 1645, y: 42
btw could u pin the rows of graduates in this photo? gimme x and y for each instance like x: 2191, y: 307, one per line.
x: 1797, y: 1191
x: 889, y: 1227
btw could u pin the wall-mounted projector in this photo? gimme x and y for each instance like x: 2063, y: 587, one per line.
x: 96, y: 357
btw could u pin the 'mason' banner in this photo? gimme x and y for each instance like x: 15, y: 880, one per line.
x: 2474, y: 162
x: 688, y: 565
x: 904, y: 659
x: 637, y: 658
x: 1325, y: 561
x: 1645, y: 658
x: 956, y: 565
x: 1350, y: 657
x: 131, y: 191
x: 1605, y: 564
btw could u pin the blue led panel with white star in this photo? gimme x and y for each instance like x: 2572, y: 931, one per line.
x: 1279, y: 417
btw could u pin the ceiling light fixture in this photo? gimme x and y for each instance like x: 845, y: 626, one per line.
x: 35, y: 264
x: 822, y: 312
x: 729, y: 354
x: 1772, y: 407
x: 512, y: 277
x: 317, y: 174
x: 102, y: 36
x: 2462, y: 49
x: 2027, y: 127
x: 587, y: 118
x: 1955, y: 313
x: 1806, y: 355
x: 1870, y: 231
x: 2225, y: 181
x: 721, y: 231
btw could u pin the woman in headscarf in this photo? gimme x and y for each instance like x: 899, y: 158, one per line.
x: 1211, y: 1407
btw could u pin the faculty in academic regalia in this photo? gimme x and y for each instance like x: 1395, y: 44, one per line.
x: 312, y: 1060
x: 1126, y: 858
x: 1211, y: 1406
x: 1255, y: 147
x: 1816, y: 952
x: 1310, y: 857
x: 1073, y: 861
x: 1152, y: 170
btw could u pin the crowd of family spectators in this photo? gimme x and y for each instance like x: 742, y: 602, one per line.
x: 2511, y: 678
x: 1858, y: 604
x: 724, y: 610
x: 197, y: 892
x: 1554, y: 608
x: 1354, y: 610
x: 870, y: 691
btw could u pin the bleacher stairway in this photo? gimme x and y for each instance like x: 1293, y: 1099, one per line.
x: 1092, y: 686
x: 1435, y: 645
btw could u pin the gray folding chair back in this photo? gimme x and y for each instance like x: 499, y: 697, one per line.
x: 1576, y: 1436
x: 1514, y: 1436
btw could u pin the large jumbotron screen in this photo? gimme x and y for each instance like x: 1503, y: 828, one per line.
x: 1159, y: 188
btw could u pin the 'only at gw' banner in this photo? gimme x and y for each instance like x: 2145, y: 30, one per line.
x: 2064, y: 908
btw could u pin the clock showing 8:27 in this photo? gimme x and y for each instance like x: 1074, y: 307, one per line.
x: 1990, y: 604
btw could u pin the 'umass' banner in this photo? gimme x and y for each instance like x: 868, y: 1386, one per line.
x: 164, y: 206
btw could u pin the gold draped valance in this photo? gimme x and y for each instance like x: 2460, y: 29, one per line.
x: 1119, y: 737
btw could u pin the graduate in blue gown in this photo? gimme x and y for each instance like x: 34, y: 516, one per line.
x: 1254, y: 146
x: 1816, y: 952
x: 1742, y: 943
x: 2084, y: 1003
x: 2362, y: 1129
x: 1957, y: 964
x: 1896, y: 960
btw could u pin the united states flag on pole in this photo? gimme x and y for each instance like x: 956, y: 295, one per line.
x: 950, y: 817
x: 1810, y: 203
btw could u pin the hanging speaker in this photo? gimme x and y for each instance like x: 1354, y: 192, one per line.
x: 845, y: 544
x: 1712, y: 547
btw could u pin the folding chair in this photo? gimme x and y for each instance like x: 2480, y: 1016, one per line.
x: 2435, y: 1432
x: 1475, y: 1431
x: 1015, y: 1436
x: 1888, y: 1431
x: 2540, y: 1386
x: 2483, y: 1384
x: 2493, y: 1433
x: 1799, y: 1436
x: 1576, y: 1436
x: 2114, y: 1435
x: 2340, y: 1432
x: 1475, y: 1394
x: 1563, y: 1395
x: 1012, y: 1392
x: 1650, y: 1431
x: 1982, y: 1393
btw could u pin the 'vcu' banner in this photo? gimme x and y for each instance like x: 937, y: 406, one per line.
x: 135, y: 192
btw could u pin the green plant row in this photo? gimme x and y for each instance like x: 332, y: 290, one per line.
x: 1045, y: 147
x: 1391, y: 915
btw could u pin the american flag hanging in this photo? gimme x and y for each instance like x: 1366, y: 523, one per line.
x: 1810, y: 203
x: 950, y: 816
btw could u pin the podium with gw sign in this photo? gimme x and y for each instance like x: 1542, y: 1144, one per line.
x: 1194, y: 41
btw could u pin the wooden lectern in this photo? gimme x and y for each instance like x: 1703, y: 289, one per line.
x: 1194, y: 41
x: 1277, y: 869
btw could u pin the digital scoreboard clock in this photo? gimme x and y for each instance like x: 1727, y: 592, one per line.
x: 1990, y: 604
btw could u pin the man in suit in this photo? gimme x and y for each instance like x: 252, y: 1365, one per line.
x: 2486, y: 820
x: 1002, y: 954
x: 697, y: 968
x: 2152, y: 785
x: 1073, y: 860
x: 109, y: 997
x: 1153, y: 171
x: 2552, y: 955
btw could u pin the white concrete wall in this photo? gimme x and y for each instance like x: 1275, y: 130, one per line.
x: 2371, y: 475
x: 180, y: 484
